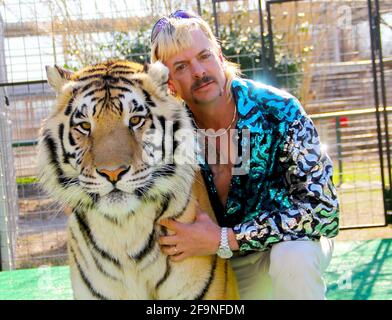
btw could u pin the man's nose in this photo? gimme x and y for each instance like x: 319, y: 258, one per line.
x: 197, y: 70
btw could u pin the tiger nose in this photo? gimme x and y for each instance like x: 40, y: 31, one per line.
x: 113, y: 175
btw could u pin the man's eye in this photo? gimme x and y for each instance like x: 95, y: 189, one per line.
x: 181, y: 67
x: 206, y: 56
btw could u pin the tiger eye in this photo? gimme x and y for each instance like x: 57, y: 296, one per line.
x: 85, y: 126
x: 135, y: 120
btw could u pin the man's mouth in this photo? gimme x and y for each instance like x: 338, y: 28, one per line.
x: 203, y: 85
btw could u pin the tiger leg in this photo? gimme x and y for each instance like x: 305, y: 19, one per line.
x: 224, y: 286
x: 199, y: 278
x: 81, y: 287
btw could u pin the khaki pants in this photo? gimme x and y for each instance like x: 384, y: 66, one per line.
x: 289, y: 270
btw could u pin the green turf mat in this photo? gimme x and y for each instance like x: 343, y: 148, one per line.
x: 359, y: 270
x: 44, y: 283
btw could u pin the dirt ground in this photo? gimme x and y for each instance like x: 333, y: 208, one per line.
x: 41, y: 234
x: 365, y: 233
x: 34, y: 250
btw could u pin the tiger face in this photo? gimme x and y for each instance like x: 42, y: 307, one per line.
x: 116, y: 138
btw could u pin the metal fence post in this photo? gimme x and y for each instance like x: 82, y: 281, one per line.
x: 8, y: 190
x: 8, y: 193
x: 339, y: 149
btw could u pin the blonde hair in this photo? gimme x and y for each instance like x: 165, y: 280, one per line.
x: 175, y: 36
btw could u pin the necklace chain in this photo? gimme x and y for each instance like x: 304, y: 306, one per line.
x: 224, y: 132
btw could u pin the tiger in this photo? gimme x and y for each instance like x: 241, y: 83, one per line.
x: 101, y: 153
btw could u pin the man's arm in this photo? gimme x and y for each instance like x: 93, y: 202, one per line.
x: 314, y: 209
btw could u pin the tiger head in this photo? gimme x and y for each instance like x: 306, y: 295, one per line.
x: 115, y: 138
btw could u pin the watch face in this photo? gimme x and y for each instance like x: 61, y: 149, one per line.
x: 225, y: 253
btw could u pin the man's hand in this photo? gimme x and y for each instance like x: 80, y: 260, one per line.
x: 199, y: 238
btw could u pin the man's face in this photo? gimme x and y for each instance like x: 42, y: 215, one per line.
x: 196, y: 73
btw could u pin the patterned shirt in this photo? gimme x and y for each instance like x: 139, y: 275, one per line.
x: 287, y: 192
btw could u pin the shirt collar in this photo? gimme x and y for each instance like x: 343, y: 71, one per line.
x: 245, y: 96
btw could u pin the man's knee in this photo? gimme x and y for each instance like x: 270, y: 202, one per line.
x: 295, y: 257
x: 296, y: 270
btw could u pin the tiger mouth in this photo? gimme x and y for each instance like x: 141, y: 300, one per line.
x: 116, y: 194
x: 115, y: 191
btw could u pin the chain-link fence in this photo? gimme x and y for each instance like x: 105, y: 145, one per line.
x: 331, y: 40
x: 322, y: 54
x: 34, y: 34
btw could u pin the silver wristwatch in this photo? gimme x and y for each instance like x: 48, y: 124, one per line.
x: 224, y: 250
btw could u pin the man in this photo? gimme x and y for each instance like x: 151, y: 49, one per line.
x: 277, y: 218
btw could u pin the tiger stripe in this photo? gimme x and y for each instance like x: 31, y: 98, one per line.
x: 69, y: 106
x: 182, y: 211
x: 166, y: 274
x: 75, y: 243
x: 149, y: 245
x: 89, y: 238
x: 94, y: 292
x: 97, y: 263
x: 204, y: 291
x: 226, y: 266
x: 100, y: 268
x: 52, y: 149
x: 66, y: 155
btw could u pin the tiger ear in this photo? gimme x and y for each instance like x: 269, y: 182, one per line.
x: 57, y: 77
x: 159, y: 74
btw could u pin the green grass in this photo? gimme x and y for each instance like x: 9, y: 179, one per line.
x: 355, y: 177
x: 26, y: 180
x: 352, y: 171
x: 357, y: 171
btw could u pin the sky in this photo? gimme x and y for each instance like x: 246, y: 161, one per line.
x: 41, y: 10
